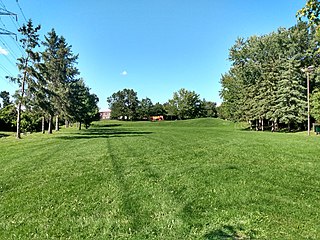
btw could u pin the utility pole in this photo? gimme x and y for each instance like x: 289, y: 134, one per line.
x: 308, y: 70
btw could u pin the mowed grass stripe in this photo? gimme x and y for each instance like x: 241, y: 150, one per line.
x: 71, y: 190
x: 145, y: 202
x: 198, y: 179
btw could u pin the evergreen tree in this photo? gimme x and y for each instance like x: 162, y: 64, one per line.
x: 265, y: 83
x: 30, y: 40
x: 83, y: 105
x: 58, y: 70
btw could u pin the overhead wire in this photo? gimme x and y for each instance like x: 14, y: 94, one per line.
x: 8, y: 47
x: 6, y: 70
x: 12, y: 64
x: 10, y: 82
x: 25, y: 19
x: 2, y: 4
x: 12, y: 52
x: 17, y: 26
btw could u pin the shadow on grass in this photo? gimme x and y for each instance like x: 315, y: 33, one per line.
x: 228, y: 232
x: 106, y: 125
x: 4, y: 135
x: 104, y: 131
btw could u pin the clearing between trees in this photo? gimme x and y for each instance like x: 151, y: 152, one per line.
x: 193, y: 179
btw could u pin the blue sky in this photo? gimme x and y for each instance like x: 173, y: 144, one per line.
x: 155, y: 47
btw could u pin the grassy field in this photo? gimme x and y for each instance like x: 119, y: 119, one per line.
x: 197, y: 179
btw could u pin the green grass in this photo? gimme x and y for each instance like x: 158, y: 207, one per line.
x: 197, y: 179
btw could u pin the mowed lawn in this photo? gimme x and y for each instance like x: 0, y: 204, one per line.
x: 195, y: 179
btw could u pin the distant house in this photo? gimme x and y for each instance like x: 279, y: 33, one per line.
x: 105, y: 115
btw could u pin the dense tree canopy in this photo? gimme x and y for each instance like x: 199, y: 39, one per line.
x: 184, y: 104
x: 124, y: 104
x: 5, y: 96
x: 265, y: 84
x: 48, y: 85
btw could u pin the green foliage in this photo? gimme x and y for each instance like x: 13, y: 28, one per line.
x: 315, y: 105
x: 26, y: 80
x: 265, y: 83
x: 5, y: 98
x: 48, y: 83
x: 311, y: 11
x: 145, y: 108
x: 83, y: 105
x: 30, y: 121
x: 192, y: 179
x: 208, y: 109
x: 124, y: 104
x: 184, y: 104
x: 8, y: 117
x: 58, y: 70
x: 158, y: 110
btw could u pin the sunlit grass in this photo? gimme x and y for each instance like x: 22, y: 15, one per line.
x: 197, y: 179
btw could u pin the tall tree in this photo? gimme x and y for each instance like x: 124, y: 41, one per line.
x: 265, y: 83
x: 58, y: 70
x: 208, y: 109
x: 83, y: 105
x: 185, y: 104
x: 145, y: 108
x: 158, y: 110
x: 124, y: 104
x: 29, y: 41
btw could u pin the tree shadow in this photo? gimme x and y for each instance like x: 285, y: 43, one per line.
x: 4, y: 135
x: 228, y: 232
x: 107, y: 125
x: 105, y: 131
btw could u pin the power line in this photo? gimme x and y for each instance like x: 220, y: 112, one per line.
x: 6, y: 70
x: 25, y: 19
x: 4, y: 43
x: 15, y: 40
x: 10, y: 82
x: 6, y: 32
x: 5, y: 12
x: 12, y: 64
x: 9, y: 61
x: 2, y: 4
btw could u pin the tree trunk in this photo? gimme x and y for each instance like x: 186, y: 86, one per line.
x: 42, y: 125
x: 66, y: 123
x: 262, y: 124
x: 79, y: 125
x: 19, y: 107
x: 257, y: 125
x: 57, y: 123
x: 50, y: 125
x: 19, y: 120
x: 22, y: 95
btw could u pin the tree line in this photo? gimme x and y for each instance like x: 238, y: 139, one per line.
x: 184, y: 104
x: 266, y: 85
x: 50, y: 89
